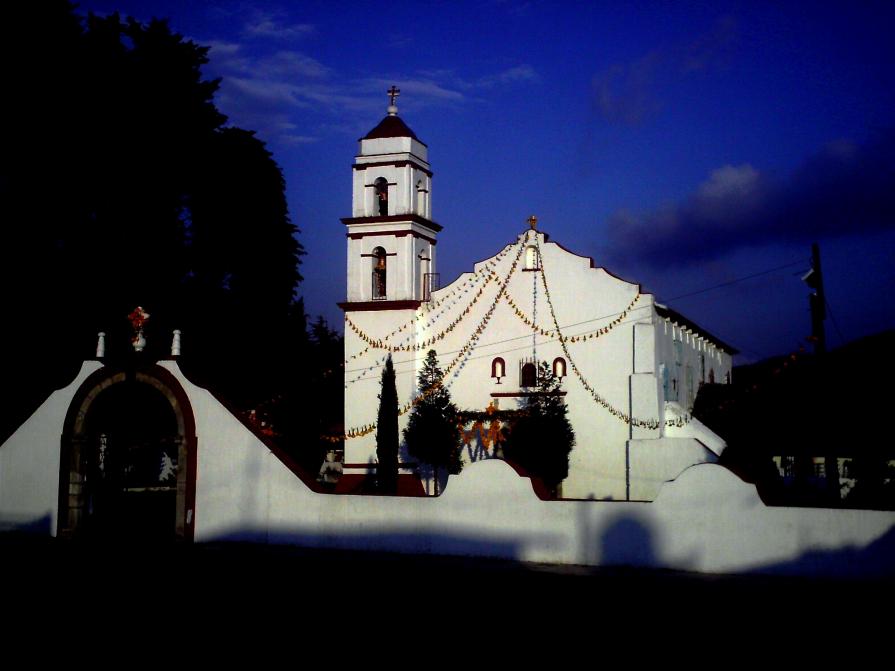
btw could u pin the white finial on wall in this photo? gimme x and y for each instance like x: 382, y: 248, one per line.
x: 175, y: 343
x: 100, y: 345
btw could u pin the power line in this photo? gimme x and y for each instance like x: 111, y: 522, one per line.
x: 835, y: 323
x: 736, y: 281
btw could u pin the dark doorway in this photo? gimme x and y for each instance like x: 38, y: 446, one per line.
x: 131, y: 465
x: 128, y: 458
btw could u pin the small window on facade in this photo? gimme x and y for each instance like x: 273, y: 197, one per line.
x: 665, y: 381
x: 498, y: 368
x: 689, y: 380
x: 529, y: 376
x: 379, y: 274
x: 711, y: 376
x: 381, y: 196
x: 531, y: 259
x: 559, y: 367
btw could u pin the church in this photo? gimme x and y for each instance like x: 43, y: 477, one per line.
x: 131, y: 448
x: 630, y: 367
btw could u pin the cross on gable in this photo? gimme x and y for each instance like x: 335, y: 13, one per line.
x: 393, y: 93
x: 533, y: 221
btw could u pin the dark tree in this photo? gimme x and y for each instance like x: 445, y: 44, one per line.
x: 540, y: 440
x: 121, y: 186
x: 432, y: 434
x: 387, y: 432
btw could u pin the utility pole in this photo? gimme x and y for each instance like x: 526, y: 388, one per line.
x: 817, y: 301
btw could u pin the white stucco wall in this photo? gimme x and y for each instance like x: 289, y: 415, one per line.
x: 29, y: 460
x: 706, y: 520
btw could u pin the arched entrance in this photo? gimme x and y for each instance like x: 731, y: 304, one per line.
x: 128, y: 457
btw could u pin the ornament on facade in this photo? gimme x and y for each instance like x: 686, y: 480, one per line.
x: 138, y: 319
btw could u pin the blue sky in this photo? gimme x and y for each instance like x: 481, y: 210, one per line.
x: 682, y: 145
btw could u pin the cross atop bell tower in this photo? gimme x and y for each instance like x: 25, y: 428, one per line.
x: 391, y: 235
x: 393, y: 93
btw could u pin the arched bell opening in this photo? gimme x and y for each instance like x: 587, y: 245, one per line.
x: 128, y: 458
x: 379, y: 274
x: 381, y: 186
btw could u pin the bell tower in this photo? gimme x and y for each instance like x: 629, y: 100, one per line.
x: 391, y: 235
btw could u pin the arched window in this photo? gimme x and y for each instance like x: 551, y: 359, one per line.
x: 498, y: 368
x: 559, y: 367
x: 532, y: 262
x: 381, y: 186
x: 379, y: 274
x: 529, y: 375
x: 711, y: 376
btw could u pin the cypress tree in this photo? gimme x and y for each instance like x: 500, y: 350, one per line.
x: 387, y: 432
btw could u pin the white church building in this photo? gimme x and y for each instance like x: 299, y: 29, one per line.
x: 630, y: 367
x: 133, y: 449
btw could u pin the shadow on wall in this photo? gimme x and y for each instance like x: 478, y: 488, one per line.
x: 877, y: 560
x: 625, y: 540
x: 41, y: 526
x: 386, y: 541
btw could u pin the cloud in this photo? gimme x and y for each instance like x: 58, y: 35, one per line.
x: 291, y: 64
x: 629, y: 93
x: 844, y: 189
x: 422, y: 89
x: 271, y: 25
x: 625, y: 94
x: 515, y: 75
x: 269, y: 91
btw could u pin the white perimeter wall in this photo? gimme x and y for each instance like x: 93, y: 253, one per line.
x: 706, y: 520
x: 29, y: 461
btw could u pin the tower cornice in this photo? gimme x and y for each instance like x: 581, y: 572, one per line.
x: 393, y: 219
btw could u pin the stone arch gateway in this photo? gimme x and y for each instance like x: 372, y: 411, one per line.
x: 128, y: 457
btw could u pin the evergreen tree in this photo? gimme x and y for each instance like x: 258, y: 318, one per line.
x: 432, y: 435
x: 541, y: 439
x: 121, y: 186
x: 387, y: 432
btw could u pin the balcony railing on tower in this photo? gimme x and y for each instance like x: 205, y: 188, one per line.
x: 431, y: 282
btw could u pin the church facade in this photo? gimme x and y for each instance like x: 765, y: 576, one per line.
x: 630, y: 367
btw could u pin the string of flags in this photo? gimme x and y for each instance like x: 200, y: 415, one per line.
x: 458, y: 362
x: 615, y: 412
x: 487, y: 273
x: 453, y: 369
x: 583, y: 337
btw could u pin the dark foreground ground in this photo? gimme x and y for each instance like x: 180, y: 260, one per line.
x: 119, y: 604
x: 230, y: 575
